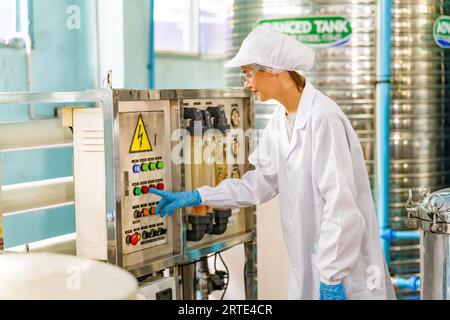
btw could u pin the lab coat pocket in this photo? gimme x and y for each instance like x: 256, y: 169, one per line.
x: 358, y: 279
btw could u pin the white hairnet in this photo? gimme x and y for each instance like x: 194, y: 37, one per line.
x: 270, y: 48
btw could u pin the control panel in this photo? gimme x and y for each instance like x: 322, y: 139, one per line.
x: 115, y: 168
x: 143, y: 162
x: 220, y: 139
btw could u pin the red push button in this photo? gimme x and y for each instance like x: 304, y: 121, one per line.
x: 134, y: 239
x: 144, y: 189
x: 160, y: 186
x: 152, y: 186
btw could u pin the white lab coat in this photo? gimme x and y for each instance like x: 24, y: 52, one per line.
x: 327, y: 212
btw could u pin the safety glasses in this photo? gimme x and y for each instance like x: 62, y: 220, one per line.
x: 247, y: 76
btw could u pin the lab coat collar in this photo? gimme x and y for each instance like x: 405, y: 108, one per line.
x: 304, y: 107
x: 301, y: 117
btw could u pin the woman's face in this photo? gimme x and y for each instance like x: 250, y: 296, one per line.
x: 263, y: 84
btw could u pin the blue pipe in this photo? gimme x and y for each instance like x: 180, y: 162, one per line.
x: 411, y: 283
x: 382, y: 113
x: 411, y: 298
x: 152, y: 46
x: 389, y: 235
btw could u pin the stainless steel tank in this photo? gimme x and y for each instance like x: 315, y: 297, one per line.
x: 431, y: 214
x: 419, y: 120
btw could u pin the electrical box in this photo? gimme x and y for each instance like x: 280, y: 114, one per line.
x: 143, y: 162
x: 173, y: 140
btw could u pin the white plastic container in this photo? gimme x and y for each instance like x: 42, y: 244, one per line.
x: 50, y: 276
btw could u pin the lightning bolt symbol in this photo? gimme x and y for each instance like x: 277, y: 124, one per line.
x: 140, y: 136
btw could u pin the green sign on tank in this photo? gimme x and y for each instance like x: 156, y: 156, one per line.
x: 441, y: 31
x: 315, y: 31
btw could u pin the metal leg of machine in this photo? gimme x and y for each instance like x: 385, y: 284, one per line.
x: 251, y: 272
x: 188, y: 283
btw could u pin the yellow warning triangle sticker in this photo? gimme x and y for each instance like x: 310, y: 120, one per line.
x: 140, y: 142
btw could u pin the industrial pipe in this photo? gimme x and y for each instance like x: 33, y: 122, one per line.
x: 411, y: 283
x: 389, y: 235
x: 383, y: 89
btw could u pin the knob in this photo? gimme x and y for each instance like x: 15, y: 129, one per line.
x: 146, y: 212
x: 137, y: 214
x: 160, y: 231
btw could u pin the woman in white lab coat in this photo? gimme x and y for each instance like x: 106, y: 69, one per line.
x: 310, y: 156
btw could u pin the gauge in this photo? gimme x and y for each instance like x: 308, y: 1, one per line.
x: 235, y: 118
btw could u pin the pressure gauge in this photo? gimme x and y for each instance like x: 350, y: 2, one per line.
x: 235, y: 118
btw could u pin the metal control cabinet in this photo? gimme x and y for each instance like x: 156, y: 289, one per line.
x: 130, y: 145
x: 143, y: 161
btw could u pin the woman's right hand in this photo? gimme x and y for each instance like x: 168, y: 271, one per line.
x: 170, y: 201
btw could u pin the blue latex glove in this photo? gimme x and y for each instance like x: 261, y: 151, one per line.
x: 332, y: 292
x: 174, y: 200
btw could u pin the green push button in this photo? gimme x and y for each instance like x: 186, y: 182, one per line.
x: 152, y: 166
x: 144, y: 166
x: 137, y: 191
x: 160, y: 165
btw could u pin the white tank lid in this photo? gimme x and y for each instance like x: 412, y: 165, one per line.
x: 57, y: 276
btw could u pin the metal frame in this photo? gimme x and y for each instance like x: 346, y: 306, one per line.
x: 108, y: 99
x: 98, y: 96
